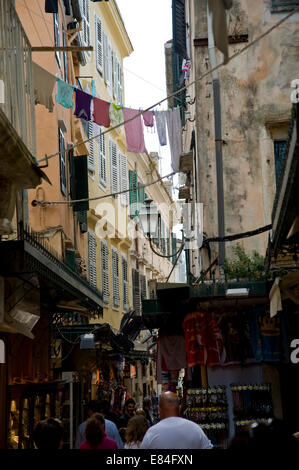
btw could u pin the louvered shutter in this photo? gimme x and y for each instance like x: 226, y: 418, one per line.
x: 92, y: 259
x: 57, y: 37
x: 113, y: 167
x: 65, y: 55
x: 123, y: 178
x: 115, y: 75
x: 120, y: 86
x: 115, y: 278
x: 62, y: 162
x: 162, y: 237
x: 81, y: 188
x: 141, y: 196
x: 143, y: 286
x: 86, y: 21
x: 110, y: 70
x: 106, y: 60
x: 91, y: 147
x: 125, y: 283
x: 168, y: 242
x: 174, y: 246
x: 179, y: 27
x: 133, y: 193
x: 102, y: 159
x: 99, y: 44
x: 105, y: 271
x: 136, y: 291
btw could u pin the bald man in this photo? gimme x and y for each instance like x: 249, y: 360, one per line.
x: 173, y: 432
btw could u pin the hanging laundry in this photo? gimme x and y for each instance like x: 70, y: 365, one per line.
x: 93, y: 89
x: 218, y: 10
x: 101, y: 112
x: 83, y: 102
x: 51, y: 6
x: 148, y: 118
x: 265, y: 335
x: 174, y: 126
x: 44, y: 83
x: 116, y: 114
x: 64, y: 94
x: 134, y: 131
x: 161, y: 126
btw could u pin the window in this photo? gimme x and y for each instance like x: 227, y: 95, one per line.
x: 92, y: 258
x: 65, y: 58
x: 99, y: 44
x: 123, y: 178
x: 113, y: 155
x: 115, y: 75
x: 120, y: 86
x: 279, y: 150
x: 91, y: 147
x: 163, y: 237
x: 108, y: 71
x: 57, y: 37
x: 105, y: 271
x: 136, y: 291
x: 62, y: 162
x: 143, y: 286
x: 85, y: 34
x: 124, y: 267
x: 281, y: 6
x: 102, y: 159
x: 115, y: 278
x: 133, y: 193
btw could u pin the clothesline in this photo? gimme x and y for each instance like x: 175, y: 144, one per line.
x: 209, y: 72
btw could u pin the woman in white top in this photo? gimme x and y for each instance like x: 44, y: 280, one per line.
x: 137, y: 427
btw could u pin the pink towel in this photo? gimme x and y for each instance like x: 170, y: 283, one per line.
x: 134, y: 131
x: 148, y: 118
x: 101, y: 112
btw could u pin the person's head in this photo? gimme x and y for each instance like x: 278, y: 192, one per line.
x: 137, y: 427
x: 147, y: 403
x: 104, y: 407
x: 130, y: 406
x: 140, y: 412
x: 169, y: 405
x: 93, y: 406
x: 48, y: 434
x: 95, y: 429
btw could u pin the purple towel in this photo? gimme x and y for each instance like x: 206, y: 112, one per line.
x: 148, y: 118
x: 134, y: 131
x: 83, y: 101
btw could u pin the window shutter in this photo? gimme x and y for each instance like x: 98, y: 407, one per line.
x: 106, y: 60
x: 143, y: 284
x: 86, y: 22
x: 123, y: 178
x: 105, y: 271
x: 82, y: 220
x: 133, y: 193
x: 179, y: 27
x: 113, y: 167
x: 168, y: 242
x: 141, y: 196
x: 62, y: 162
x: 92, y: 259
x: 115, y: 278
x: 125, y: 283
x: 136, y: 291
x: 115, y: 75
x: 81, y: 175
x: 57, y: 37
x: 65, y: 55
x: 99, y: 44
x: 174, y: 248
x: 91, y: 147
x: 279, y: 151
x: 120, y: 86
x: 70, y: 259
x: 110, y: 70
x: 102, y: 159
x: 162, y: 237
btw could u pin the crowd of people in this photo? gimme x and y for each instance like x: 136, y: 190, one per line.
x: 136, y: 429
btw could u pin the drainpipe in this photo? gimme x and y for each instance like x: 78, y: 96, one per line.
x: 218, y: 136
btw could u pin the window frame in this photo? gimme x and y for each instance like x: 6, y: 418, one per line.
x: 62, y: 162
x: 57, y: 37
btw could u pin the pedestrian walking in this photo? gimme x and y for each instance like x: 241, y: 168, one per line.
x: 48, y: 434
x: 95, y: 406
x: 95, y: 435
x: 172, y: 431
x: 136, y: 429
x: 148, y: 408
x: 129, y: 411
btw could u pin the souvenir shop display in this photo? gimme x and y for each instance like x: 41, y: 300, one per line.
x: 251, y: 403
x: 208, y: 407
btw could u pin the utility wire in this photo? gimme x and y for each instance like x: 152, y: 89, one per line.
x: 209, y: 72
x: 238, y: 236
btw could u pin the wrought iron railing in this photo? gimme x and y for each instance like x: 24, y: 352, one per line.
x: 16, y: 76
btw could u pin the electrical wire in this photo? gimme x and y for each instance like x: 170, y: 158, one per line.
x: 238, y: 236
x: 209, y: 72
x: 144, y: 80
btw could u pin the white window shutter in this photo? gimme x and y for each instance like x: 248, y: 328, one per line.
x: 105, y: 271
x: 119, y: 78
x: 115, y: 75
x: 125, y: 283
x: 115, y: 278
x: 102, y: 159
x: 91, y: 147
x: 124, y: 179
x: 113, y: 154
x: 106, y: 60
x: 110, y: 71
x: 99, y: 44
x: 92, y: 259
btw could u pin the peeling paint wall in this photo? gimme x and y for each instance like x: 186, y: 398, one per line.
x: 255, y: 108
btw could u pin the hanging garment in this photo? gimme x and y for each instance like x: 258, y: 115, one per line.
x: 64, y: 94
x: 134, y: 131
x: 174, y: 126
x: 148, y: 118
x: 173, y: 351
x: 218, y: 9
x: 93, y: 89
x: 44, y: 83
x: 51, y: 6
x: 116, y: 114
x: 83, y: 102
x: 161, y: 126
x: 265, y: 335
x: 275, y: 298
x: 101, y: 112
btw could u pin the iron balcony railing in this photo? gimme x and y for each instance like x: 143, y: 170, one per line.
x: 16, y: 76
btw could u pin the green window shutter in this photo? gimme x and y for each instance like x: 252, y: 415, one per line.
x: 81, y: 177
x: 179, y: 27
x: 163, y: 237
x: 82, y: 220
x: 133, y: 193
x: 70, y: 259
x: 136, y: 292
x: 174, y: 246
